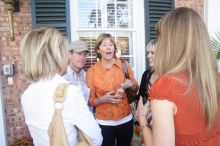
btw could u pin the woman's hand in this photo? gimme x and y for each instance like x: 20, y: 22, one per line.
x: 111, y: 97
x: 127, y: 83
x: 143, y: 113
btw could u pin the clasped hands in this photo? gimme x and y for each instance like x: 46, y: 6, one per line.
x: 113, y: 97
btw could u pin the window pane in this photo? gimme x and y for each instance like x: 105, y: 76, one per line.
x: 105, y: 14
x: 124, y: 43
x: 124, y: 16
x: 110, y: 15
x: 88, y: 14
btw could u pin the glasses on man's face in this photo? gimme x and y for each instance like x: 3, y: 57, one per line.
x: 84, y: 54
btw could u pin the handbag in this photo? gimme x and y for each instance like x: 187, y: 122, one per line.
x: 56, y: 130
x: 83, y: 139
x: 131, y: 91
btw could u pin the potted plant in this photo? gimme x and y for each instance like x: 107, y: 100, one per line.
x: 216, y: 47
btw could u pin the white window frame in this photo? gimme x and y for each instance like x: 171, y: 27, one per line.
x: 138, y: 34
x: 211, y: 10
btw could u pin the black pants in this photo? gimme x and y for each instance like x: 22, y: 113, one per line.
x: 120, y: 135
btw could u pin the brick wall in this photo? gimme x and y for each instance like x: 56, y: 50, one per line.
x: 9, y: 53
x: 197, y: 5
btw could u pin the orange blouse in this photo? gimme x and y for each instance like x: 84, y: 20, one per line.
x: 190, y: 122
x: 101, y: 80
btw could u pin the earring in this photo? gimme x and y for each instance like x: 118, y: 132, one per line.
x: 98, y: 55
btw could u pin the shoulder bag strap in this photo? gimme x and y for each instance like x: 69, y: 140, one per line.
x: 56, y: 130
x: 60, y: 93
x: 83, y: 139
x: 125, y: 69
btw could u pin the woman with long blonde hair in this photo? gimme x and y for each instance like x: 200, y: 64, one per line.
x: 184, y: 101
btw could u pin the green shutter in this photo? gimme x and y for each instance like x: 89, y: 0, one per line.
x: 154, y: 10
x: 51, y: 13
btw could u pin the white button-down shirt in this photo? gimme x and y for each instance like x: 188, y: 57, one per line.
x: 38, y: 107
x: 78, y: 80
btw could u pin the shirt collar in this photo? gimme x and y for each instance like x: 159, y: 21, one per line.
x: 70, y: 70
x: 118, y: 63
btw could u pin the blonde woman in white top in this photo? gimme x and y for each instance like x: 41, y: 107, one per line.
x: 43, y: 53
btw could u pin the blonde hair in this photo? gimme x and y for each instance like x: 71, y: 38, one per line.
x: 43, y: 53
x: 99, y: 40
x: 151, y: 43
x: 183, y: 43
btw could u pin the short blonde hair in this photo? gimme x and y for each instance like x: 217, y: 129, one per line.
x: 183, y: 44
x: 43, y: 53
x: 151, y: 43
x: 99, y: 40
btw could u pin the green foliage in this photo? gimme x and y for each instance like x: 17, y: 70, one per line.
x: 216, y: 44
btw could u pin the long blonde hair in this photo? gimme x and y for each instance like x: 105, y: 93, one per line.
x: 183, y: 43
x: 43, y: 53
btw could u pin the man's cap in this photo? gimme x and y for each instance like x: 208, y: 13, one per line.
x: 78, y: 46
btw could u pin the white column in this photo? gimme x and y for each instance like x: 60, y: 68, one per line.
x: 2, y: 119
x: 211, y: 15
x: 139, y: 39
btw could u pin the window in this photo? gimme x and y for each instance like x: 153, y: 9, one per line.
x: 89, y: 18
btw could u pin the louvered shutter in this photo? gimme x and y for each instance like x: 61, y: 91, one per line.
x: 154, y: 10
x: 51, y: 13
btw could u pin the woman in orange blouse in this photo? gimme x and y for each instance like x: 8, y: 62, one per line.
x: 184, y: 100
x: 113, y: 113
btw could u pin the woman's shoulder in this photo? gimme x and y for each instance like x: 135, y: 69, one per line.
x: 74, y: 95
x: 164, y: 80
x: 92, y: 68
x: 172, y: 78
x: 168, y: 86
x: 146, y: 72
x: 96, y: 66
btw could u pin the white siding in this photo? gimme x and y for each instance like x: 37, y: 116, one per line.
x: 212, y: 16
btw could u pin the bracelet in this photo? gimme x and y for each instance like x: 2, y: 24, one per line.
x: 143, y: 114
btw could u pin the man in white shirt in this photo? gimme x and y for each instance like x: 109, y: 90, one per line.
x: 78, y: 52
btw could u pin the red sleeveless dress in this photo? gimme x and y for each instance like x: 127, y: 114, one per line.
x: 190, y: 121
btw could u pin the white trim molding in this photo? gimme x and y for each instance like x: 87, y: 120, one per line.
x: 139, y: 43
x: 3, y: 138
